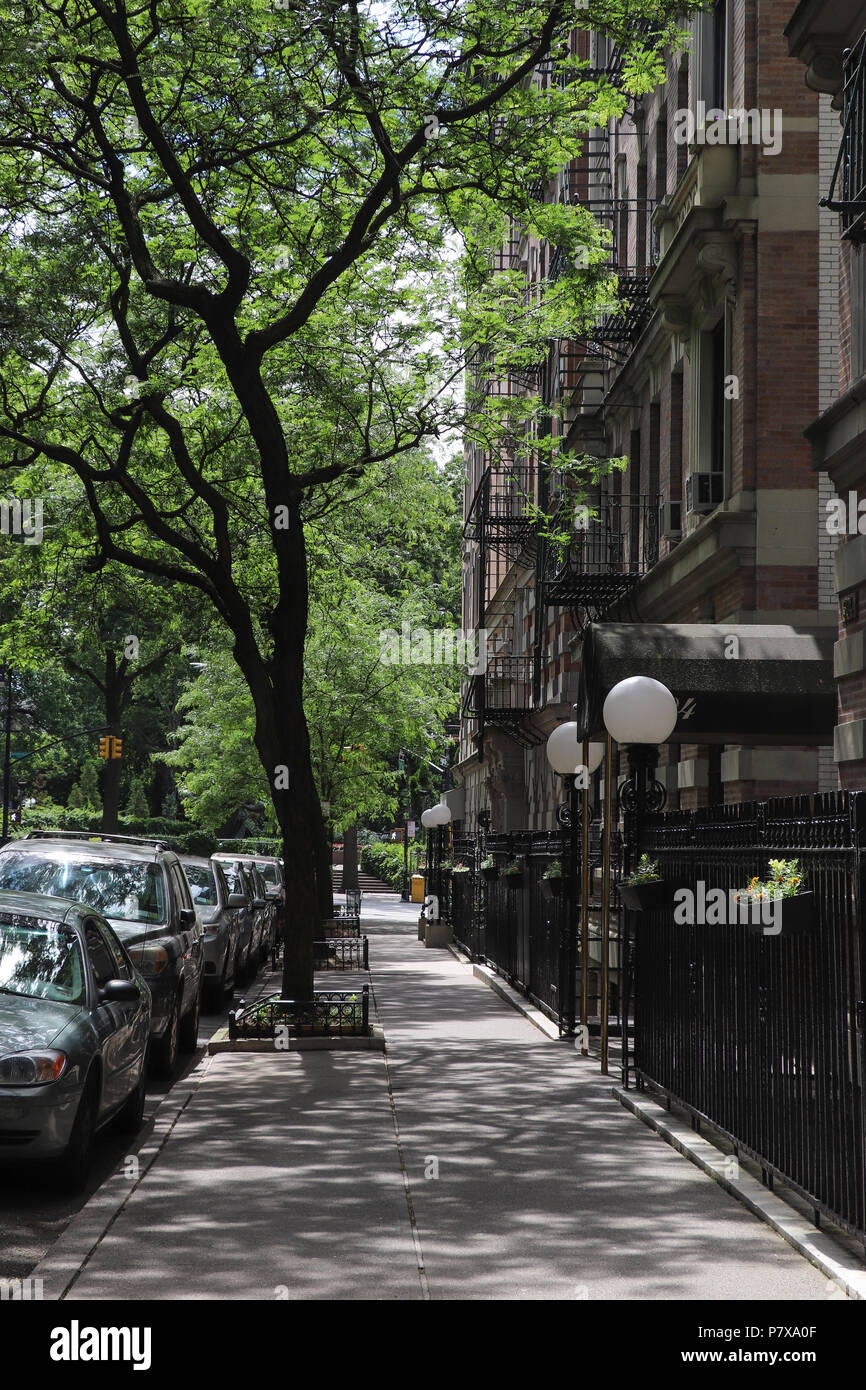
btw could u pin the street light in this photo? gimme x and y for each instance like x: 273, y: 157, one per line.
x: 574, y: 761
x: 641, y: 713
x: 438, y: 817
x: 427, y: 824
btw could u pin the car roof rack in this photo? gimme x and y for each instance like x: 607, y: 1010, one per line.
x: 94, y: 835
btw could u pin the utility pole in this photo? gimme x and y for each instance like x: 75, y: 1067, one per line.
x: 7, y: 756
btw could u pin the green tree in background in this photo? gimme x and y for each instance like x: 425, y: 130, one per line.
x: 136, y: 802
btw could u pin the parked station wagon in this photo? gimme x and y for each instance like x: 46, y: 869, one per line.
x: 140, y: 887
x: 74, y: 1028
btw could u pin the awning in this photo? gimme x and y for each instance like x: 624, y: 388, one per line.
x: 752, y: 684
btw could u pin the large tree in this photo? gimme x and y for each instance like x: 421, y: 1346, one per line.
x: 229, y: 289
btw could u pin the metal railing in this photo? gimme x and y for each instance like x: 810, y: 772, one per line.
x: 622, y: 538
x: 342, y: 953
x: 512, y: 925
x: 330, y: 1012
x: 763, y: 1035
x: 851, y: 160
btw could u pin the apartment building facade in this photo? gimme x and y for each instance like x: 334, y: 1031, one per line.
x: 828, y: 38
x: 703, y: 377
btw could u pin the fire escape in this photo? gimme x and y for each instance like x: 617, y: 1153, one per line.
x: 590, y: 556
x: 520, y: 513
x: 502, y: 523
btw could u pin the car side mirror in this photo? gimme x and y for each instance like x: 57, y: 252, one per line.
x: 236, y: 900
x: 260, y: 902
x: 187, y: 917
x: 119, y: 992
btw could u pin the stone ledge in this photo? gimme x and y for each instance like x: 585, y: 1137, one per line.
x: 849, y: 744
x: 374, y: 1041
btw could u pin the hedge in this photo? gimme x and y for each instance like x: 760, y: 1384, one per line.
x: 383, y: 861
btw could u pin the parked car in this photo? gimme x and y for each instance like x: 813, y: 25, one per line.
x: 241, y: 891
x: 268, y: 881
x: 225, y: 937
x: 262, y: 907
x: 74, y: 1026
x: 141, y: 888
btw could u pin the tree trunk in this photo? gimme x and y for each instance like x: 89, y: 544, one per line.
x: 350, y: 857
x: 324, y: 873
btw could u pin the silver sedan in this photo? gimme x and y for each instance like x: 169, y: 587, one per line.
x: 74, y: 1026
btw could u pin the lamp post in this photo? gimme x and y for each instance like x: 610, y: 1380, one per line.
x: 440, y: 816
x: 428, y: 855
x: 7, y: 755
x: 329, y: 830
x: 641, y: 713
x: 574, y: 762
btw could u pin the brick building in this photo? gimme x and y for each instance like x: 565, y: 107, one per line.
x: 705, y: 377
x: 829, y: 38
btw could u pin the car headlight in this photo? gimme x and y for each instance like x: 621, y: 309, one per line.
x: 151, y: 960
x: 32, y: 1068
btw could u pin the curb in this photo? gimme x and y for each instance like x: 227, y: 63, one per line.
x: 819, y: 1248
x: 495, y: 982
x: 72, y: 1250
x: 374, y: 1041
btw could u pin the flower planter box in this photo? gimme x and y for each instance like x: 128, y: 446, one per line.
x: 553, y: 886
x: 797, y: 918
x: 490, y: 874
x: 646, y: 897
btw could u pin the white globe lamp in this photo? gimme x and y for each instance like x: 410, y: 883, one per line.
x: 640, y: 710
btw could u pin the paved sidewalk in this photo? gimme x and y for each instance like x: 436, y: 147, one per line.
x: 515, y: 1174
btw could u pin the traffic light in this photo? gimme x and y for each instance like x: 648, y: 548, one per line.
x: 116, y: 747
x: 104, y: 747
x: 110, y: 746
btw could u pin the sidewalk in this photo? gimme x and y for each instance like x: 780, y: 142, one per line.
x: 512, y: 1173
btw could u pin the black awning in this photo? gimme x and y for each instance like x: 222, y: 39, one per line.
x: 777, y: 688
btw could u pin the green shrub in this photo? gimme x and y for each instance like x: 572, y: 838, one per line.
x: 383, y: 861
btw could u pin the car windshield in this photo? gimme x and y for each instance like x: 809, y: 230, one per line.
x: 130, y: 892
x: 202, y: 885
x: 269, y: 873
x: 40, y: 960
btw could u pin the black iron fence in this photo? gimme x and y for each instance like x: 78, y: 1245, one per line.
x: 342, y: 953
x: 516, y: 924
x: 331, y: 1012
x: 762, y: 1033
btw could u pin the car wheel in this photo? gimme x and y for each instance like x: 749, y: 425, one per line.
x: 229, y: 980
x: 189, y: 1025
x: 214, y: 990
x: 165, y: 1049
x: 78, y: 1155
x: 242, y: 968
x: 131, y: 1113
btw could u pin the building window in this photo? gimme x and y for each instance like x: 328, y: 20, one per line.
x: 717, y: 368
x: 661, y: 160
x: 682, y: 103
x: 719, y: 61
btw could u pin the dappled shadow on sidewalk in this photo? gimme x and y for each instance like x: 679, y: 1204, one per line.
x: 283, y: 1177
x: 529, y: 1180
x: 282, y: 1180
